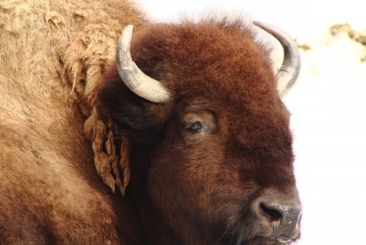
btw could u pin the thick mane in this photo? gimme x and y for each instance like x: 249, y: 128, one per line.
x: 78, y: 39
x: 48, y: 50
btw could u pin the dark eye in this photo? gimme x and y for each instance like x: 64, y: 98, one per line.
x: 194, y: 127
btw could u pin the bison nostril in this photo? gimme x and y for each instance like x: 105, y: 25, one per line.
x: 274, y: 215
x: 284, y: 220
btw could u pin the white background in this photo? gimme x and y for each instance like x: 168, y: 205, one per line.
x: 328, y: 106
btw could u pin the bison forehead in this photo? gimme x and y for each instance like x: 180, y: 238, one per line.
x: 207, y: 55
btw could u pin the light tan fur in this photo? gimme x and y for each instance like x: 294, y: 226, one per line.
x: 48, y: 50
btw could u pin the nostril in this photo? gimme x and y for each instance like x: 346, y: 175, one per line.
x: 280, y: 214
x: 274, y: 215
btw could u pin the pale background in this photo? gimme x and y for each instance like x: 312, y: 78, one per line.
x: 328, y: 106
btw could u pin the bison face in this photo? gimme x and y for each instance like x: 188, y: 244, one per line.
x: 212, y: 162
x: 208, y: 177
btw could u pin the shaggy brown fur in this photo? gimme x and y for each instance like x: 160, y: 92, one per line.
x: 220, y: 145
x: 200, y: 163
x: 50, y: 192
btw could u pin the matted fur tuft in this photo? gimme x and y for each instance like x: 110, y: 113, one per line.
x: 85, y: 60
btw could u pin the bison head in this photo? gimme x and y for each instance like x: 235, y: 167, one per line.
x: 211, y: 156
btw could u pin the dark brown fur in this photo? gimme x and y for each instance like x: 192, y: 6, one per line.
x: 198, y: 188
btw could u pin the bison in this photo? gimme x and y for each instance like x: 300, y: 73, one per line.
x: 186, y: 120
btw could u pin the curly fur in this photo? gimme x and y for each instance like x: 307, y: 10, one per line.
x: 50, y: 194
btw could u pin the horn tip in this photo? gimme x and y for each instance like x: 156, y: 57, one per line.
x: 127, y: 30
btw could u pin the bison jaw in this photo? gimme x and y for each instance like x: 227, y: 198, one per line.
x: 137, y: 81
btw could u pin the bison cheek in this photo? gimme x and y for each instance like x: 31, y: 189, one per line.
x: 181, y: 184
x: 200, y: 187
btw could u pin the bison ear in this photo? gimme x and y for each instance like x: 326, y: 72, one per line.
x: 135, y: 118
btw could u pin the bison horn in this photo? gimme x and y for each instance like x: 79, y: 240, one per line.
x: 290, y: 68
x: 137, y: 81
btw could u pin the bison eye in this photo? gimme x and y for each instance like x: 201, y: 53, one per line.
x: 194, y: 127
x: 197, y: 124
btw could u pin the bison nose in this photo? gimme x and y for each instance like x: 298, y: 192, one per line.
x: 284, y: 219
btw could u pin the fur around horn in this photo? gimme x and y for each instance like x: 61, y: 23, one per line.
x: 290, y: 69
x: 137, y: 81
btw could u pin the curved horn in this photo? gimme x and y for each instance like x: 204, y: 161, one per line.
x: 137, y: 81
x: 290, y: 69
